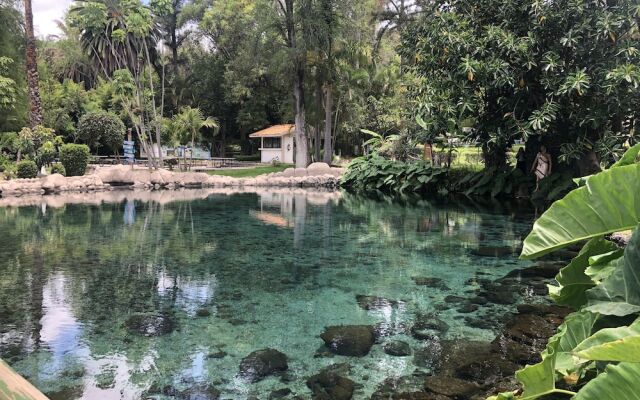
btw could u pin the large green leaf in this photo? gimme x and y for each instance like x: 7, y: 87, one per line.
x: 618, y: 382
x: 539, y: 379
x: 612, y: 344
x: 619, y: 293
x: 576, y: 328
x: 609, y: 202
x: 630, y: 156
x: 572, y: 278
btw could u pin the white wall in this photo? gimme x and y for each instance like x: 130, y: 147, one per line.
x: 284, y: 154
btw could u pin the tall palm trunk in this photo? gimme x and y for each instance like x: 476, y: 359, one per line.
x: 302, y: 152
x: 35, y: 104
x: 328, y: 121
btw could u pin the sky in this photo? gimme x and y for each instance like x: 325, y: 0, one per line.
x: 45, y: 14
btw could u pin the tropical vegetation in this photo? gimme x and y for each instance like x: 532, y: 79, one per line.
x: 595, y: 354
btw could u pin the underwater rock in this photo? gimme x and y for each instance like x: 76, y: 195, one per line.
x: 349, y: 340
x: 543, y: 269
x: 150, y: 324
x: 451, y: 387
x: 193, y: 393
x: 500, y: 296
x: 426, y: 326
x: 480, y: 323
x: 397, y: 348
x: 430, y: 282
x: 375, y: 302
x: 492, y: 251
x: 516, y: 352
x: 528, y: 328
x: 468, y: 308
x: 479, y: 300
x: 262, y: 363
x: 487, y: 370
x: 402, y: 387
x: 279, y: 394
x: 544, y: 309
x: 429, y: 356
x: 217, y: 354
x: 329, y: 385
x: 203, y: 312
x: 454, y: 299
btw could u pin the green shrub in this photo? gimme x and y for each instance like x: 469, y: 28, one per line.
x: 27, y: 169
x: 74, y: 158
x: 375, y: 173
x: 58, y: 169
x: 101, y: 129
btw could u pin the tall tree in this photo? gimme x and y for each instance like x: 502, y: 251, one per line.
x: 288, y: 25
x: 35, y: 104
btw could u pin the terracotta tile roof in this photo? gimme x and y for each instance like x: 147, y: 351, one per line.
x: 274, y: 131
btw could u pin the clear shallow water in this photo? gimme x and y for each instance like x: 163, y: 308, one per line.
x: 272, y: 268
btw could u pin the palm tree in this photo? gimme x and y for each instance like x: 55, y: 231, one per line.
x: 188, y: 123
x: 35, y: 104
x: 106, y: 38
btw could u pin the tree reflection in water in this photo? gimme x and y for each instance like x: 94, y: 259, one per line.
x: 235, y: 271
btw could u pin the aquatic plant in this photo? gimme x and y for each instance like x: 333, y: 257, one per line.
x: 596, y: 352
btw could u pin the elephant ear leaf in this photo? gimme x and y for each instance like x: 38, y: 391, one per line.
x: 617, y: 382
x: 631, y: 156
x: 609, y: 202
x: 612, y: 344
x: 573, y: 280
x: 619, y: 293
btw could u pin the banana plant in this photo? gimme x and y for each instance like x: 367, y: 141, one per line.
x: 593, y: 353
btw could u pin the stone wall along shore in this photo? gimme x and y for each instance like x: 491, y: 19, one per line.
x: 316, y: 175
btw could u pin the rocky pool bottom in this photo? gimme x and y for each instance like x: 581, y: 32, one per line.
x: 279, y: 294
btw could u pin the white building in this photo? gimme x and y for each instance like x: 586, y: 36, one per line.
x: 276, y: 143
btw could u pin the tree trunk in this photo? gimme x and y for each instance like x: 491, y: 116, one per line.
x: 35, y: 104
x: 317, y: 135
x: 328, y: 123
x: 302, y: 152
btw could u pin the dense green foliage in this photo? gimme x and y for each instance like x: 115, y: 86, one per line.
x: 74, y: 158
x: 565, y: 73
x: 58, y: 169
x: 101, y: 129
x: 375, y: 173
x: 596, y: 351
x: 27, y: 169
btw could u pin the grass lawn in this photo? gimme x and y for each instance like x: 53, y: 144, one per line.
x: 250, y: 172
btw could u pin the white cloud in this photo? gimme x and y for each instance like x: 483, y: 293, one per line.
x: 45, y: 14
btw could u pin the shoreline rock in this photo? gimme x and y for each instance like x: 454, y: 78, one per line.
x: 108, y: 178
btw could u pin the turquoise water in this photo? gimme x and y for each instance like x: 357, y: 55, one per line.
x: 233, y: 273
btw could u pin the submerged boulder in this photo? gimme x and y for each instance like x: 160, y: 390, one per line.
x: 397, y: 348
x: 349, y: 340
x: 451, y: 387
x: 150, y: 324
x: 262, y: 363
x: 426, y: 326
x: 429, y: 282
x: 375, y: 302
x: 329, y: 385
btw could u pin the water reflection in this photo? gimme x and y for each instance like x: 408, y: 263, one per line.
x: 223, y: 274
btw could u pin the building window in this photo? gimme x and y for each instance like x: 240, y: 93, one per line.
x: 271, y: 143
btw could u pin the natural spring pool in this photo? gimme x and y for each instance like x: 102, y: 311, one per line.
x: 162, y: 294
